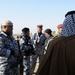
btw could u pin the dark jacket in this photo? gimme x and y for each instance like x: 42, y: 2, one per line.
x: 60, y: 57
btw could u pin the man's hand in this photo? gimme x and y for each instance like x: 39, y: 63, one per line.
x: 38, y: 41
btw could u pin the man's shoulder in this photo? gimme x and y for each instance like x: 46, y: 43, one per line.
x: 43, y: 34
x: 57, y: 40
x: 2, y: 36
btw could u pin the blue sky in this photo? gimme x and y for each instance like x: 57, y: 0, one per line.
x: 29, y: 13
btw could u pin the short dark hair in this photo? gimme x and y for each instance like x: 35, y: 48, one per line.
x: 24, y: 30
x: 49, y: 31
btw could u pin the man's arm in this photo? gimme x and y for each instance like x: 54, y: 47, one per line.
x: 4, y: 51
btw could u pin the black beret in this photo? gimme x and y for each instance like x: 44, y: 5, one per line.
x: 25, y: 29
x: 49, y: 31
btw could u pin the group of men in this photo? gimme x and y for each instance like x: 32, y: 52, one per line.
x: 60, y: 56
x: 15, y: 54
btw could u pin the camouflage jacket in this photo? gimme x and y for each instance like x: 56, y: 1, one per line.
x: 26, y: 46
x: 7, y: 44
x: 38, y: 41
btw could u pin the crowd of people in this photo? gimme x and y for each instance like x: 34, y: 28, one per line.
x: 55, y: 54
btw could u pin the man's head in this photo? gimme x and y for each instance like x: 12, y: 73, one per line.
x: 48, y: 32
x: 59, y: 28
x: 39, y: 28
x: 7, y: 26
x: 68, y: 27
x: 26, y: 31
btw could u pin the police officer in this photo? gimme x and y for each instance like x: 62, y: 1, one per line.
x: 38, y: 42
x: 26, y: 48
x: 59, y: 27
x: 8, y: 50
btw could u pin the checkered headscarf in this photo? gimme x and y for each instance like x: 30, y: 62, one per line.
x: 68, y: 27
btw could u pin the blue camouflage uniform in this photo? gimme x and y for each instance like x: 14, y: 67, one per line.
x: 38, y: 42
x: 24, y: 41
x: 7, y: 60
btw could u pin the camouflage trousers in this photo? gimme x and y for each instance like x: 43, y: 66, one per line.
x: 11, y: 72
x: 26, y: 64
x: 38, y: 57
